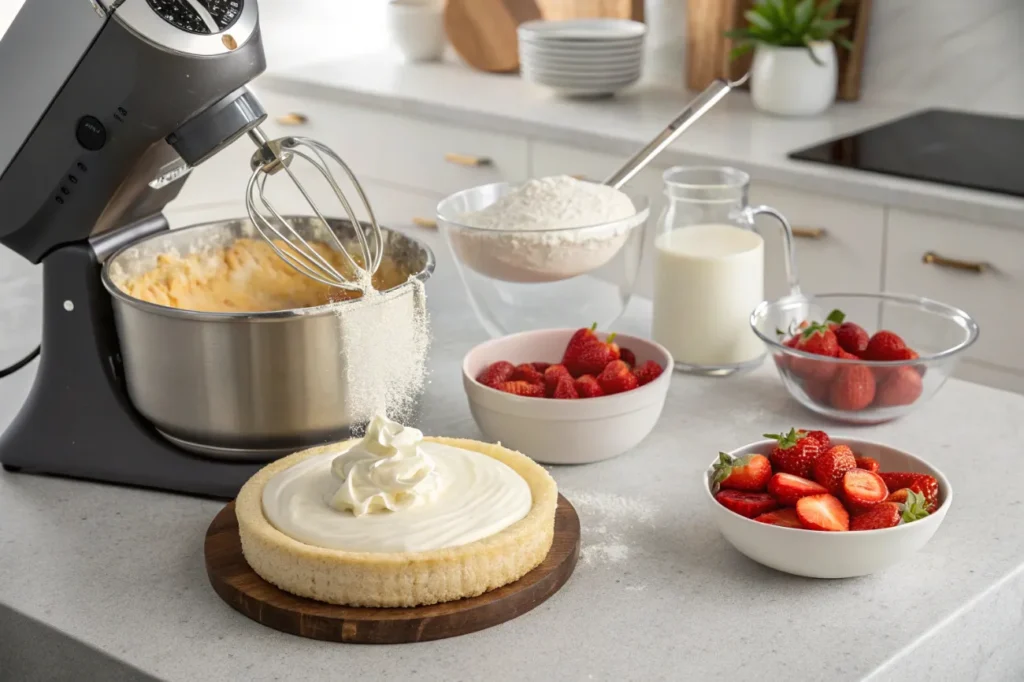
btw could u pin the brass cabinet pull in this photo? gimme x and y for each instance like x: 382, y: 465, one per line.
x: 425, y: 222
x: 579, y: 176
x: 809, y: 232
x: 293, y: 119
x: 932, y: 258
x: 467, y: 160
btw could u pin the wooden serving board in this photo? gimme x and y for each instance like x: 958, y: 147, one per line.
x: 246, y: 592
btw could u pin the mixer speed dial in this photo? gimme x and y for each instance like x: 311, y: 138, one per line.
x: 198, y: 16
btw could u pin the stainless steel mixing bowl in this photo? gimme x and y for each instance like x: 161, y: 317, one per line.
x: 242, y: 385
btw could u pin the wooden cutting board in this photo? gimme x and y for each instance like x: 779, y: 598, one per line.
x: 483, y: 32
x: 581, y: 9
x: 238, y: 585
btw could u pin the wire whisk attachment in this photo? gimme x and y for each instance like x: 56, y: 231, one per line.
x: 275, y: 156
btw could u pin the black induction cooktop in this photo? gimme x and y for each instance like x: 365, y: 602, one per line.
x: 936, y: 145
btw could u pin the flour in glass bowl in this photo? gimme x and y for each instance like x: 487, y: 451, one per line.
x: 547, y: 229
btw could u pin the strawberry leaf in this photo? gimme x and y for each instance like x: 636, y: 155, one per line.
x: 915, y: 508
x: 837, y: 316
x: 722, y: 470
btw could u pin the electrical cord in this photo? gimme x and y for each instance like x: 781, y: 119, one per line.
x: 11, y: 369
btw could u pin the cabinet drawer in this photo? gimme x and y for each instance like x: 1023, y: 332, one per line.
x: 838, y: 242
x: 992, y: 296
x: 555, y: 159
x: 398, y: 149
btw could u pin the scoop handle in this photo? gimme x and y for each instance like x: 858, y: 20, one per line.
x: 711, y: 95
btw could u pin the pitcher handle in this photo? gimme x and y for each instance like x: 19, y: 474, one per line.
x: 792, y: 279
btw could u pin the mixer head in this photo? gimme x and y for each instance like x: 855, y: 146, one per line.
x: 107, y: 104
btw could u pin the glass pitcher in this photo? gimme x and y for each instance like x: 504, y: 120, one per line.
x: 709, y: 271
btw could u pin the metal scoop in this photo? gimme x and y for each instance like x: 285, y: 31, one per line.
x: 273, y: 157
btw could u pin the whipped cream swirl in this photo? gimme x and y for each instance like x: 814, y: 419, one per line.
x: 387, y: 469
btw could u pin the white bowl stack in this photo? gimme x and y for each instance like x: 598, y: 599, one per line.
x: 582, y: 57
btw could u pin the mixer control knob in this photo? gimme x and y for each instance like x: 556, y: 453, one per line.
x: 198, y: 16
x: 90, y: 133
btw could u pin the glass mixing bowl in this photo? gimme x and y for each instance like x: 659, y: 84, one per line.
x: 535, y: 279
x: 939, y: 333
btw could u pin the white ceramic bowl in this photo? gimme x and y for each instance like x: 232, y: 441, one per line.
x: 816, y: 554
x: 417, y: 28
x: 563, y: 431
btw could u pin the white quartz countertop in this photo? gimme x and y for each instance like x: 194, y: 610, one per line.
x: 731, y: 134
x: 117, y: 574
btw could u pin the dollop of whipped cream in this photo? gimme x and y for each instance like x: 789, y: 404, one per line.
x: 387, y: 469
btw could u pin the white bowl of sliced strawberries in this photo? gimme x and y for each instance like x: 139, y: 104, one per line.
x: 567, y: 396
x: 805, y: 503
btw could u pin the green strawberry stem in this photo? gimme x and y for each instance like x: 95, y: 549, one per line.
x: 722, y: 469
x: 611, y: 337
x: 814, y: 328
x: 915, y: 508
x: 837, y: 316
x: 787, y: 440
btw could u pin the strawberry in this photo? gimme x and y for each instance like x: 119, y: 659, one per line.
x: 906, y: 354
x: 617, y: 378
x: 587, y: 387
x: 788, y: 488
x: 867, y: 463
x: 852, y: 338
x: 541, y: 366
x: 647, y: 372
x: 780, y: 517
x: 883, y: 374
x: 919, y: 483
x: 901, y: 495
x: 853, y: 388
x: 819, y: 340
x: 862, y: 489
x: 884, y: 346
x: 587, y: 354
x: 627, y: 356
x: 565, y: 389
x: 496, y: 373
x: 795, y: 453
x: 822, y: 512
x: 888, y: 514
x: 523, y: 388
x: 551, y: 376
x: 746, y: 503
x: 745, y: 473
x: 903, y: 387
x: 817, y: 390
x: 528, y: 373
x: 843, y: 355
x: 823, y: 440
x: 832, y: 465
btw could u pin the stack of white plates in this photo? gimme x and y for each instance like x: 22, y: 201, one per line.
x: 582, y: 57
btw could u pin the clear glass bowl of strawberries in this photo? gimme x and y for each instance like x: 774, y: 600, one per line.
x: 863, y: 358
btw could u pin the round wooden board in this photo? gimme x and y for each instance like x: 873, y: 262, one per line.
x: 246, y: 592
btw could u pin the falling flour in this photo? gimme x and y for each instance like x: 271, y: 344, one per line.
x: 384, y: 340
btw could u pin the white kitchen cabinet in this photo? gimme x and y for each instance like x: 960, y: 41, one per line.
x: 838, y: 243
x: 978, y: 268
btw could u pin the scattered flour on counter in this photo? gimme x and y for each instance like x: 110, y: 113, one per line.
x: 608, y: 523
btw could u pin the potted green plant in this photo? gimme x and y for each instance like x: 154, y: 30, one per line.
x: 794, y: 72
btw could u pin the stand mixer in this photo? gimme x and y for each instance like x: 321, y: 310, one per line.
x: 107, y: 106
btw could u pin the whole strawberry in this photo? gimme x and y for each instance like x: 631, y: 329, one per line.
x: 627, y: 356
x: 541, y: 366
x: 823, y: 440
x: 744, y: 473
x: 867, y: 463
x: 884, y: 346
x: 551, y: 377
x: 903, y: 387
x: 794, y: 453
x: 746, y: 503
x: 527, y: 372
x: 522, y: 388
x: 889, y: 513
x: 920, y: 483
x: 587, y: 354
x: 617, y: 378
x: 786, y: 518
x: 831, y: 466
x: 587, y: 387
x: 819, y: 340
x: 496, y: 373
x: 647, y: 372
x: 852, y: 389
x: 565, y: 389
x: 852, y: 338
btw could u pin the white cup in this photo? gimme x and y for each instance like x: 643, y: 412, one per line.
x: 417, y: 28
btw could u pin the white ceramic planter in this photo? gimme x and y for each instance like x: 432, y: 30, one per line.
x: 787, y: 82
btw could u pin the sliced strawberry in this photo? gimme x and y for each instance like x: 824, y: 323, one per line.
x: 527, y: 372
x: 903, y: 386
x: 565, y: 389
x: 745, y: 473
x: 746, y: 503
x: 587, y: 387
x: 919, y: 483
x: 496, y: 373
x: 867, y: 463
x: 788, y: 488
x: 862, y: 489
x: 523, y: 388
x: 648, y: 372
x: 551, y: 376
x: 832, y: 465
x: 852, y: 338
x: 627, y: 356
x: 884, y: 346
x: 822, y: 512
x: 795, y: 453
x: 786, y: 518
x: 617, y: 378
x: 853, y: 388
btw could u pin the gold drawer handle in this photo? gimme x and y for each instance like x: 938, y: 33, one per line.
x: 467, y: 160
x: 579, y: 176
x: 932, y: 258
x: 809, y: 232
x: 425, y: 222
x: 293, y: 119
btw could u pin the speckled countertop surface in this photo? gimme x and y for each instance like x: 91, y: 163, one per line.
x: 117, y: 575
